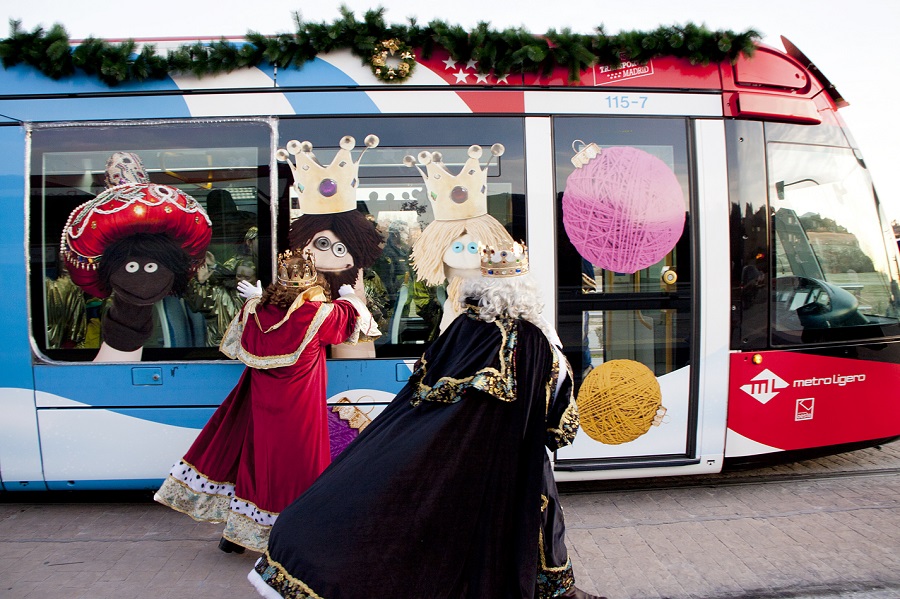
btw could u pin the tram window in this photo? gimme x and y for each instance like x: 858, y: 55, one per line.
x: 224, y: 166
x: 642, y: 315
x: 834, y: 275
x: 393, y: 198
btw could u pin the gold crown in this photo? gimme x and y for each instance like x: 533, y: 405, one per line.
x: 455, y: 197
x: 297, y: 270
x: 325, y: 189
x: 504, y: 260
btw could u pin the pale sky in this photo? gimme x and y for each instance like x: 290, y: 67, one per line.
x: 850, y: 42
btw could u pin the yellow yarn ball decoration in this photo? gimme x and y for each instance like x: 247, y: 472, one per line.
x: 618, y: 401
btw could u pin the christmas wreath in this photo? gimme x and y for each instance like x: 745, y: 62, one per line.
x: 387, y: 51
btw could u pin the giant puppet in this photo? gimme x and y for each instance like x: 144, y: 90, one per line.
x: 269, y: 439
x: 342, y: 239
x: 136, y: 243
x: 447, y: 251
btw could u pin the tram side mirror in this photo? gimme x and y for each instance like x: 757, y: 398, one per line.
x: 779, y: 189
x: 818, y: 304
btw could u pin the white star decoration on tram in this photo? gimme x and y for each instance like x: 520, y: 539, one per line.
x: 462, y: 74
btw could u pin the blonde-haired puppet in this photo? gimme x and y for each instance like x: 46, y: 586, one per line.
x: 448, y: 248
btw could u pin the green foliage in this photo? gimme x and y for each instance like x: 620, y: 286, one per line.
x: 505, y: 52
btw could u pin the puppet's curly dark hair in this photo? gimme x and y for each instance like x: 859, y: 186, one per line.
x: 158, y: 247
x: 283, y: 297
x: 353, y: 228
x: 357, y: 232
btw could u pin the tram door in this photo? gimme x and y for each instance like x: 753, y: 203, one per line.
x: 624, y: 307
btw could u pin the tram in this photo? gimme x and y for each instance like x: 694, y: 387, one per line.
x: 770, y: 325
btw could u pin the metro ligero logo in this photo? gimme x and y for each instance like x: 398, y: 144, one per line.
x: 789, y: 400
x: 764, y: 386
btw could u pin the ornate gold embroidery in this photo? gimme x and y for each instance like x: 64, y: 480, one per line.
x: 218, y: 504
x: 202, y: 507
x: 499, y: 383
x: 278, y: 361
x: 351, y: 414
x: 244, y: 531
x: 552, y: 581
x: 274, y: 575
x: 564, y: 433
x: 554, y: 378
x: 231, y: 339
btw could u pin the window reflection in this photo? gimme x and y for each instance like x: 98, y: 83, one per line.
x: 393, y: 198
x: 831, y: 266
x: 217, y: 164
x: 642, y: 316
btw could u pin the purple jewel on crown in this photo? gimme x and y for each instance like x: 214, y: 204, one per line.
x: 328, y: 187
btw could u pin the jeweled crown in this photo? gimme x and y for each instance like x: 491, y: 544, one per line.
x: 504, y: 260
x: 325, y: 189
x: 297, y: 270
x: 455, y: 197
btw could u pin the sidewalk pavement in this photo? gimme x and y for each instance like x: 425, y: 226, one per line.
x: 827, y: 528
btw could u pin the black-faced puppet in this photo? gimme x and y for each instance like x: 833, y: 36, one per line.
x: 138, y: 243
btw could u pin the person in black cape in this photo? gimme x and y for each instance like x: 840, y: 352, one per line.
x: 449, y: 492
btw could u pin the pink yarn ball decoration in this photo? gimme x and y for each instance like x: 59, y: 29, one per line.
x: 624, y: 210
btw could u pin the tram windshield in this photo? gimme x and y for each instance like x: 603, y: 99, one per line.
x: 835, y: 277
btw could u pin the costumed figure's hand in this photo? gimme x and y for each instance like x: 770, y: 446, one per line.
x: 365, y: 325
x: 247, y: 290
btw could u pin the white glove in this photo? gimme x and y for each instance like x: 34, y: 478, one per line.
x: 345, y: 290
x: 246, y: 290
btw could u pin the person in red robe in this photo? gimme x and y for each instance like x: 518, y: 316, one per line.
x: 268, y: 441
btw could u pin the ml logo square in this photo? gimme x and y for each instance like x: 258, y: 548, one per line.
x: 764, y: 386
x: 804, y: 409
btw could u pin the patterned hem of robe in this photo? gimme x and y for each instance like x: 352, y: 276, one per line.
x: 208, y: 507
x: 275, y: 576
x: 551, y: 582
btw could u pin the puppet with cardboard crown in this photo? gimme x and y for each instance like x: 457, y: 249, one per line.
x: 448, y: 249
x: 342, y: 239
x: 269, y: 439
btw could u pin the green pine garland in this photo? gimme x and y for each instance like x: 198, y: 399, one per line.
x: 509, y: 51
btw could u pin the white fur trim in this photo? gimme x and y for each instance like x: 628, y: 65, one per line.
x: 261, y: 587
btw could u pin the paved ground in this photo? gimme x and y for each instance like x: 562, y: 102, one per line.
x: 826, y: 528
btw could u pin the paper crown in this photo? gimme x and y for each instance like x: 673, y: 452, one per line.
x: 584, y: 153
x: 504, y: 260
x: 455, y: 197
x: 297, y: 270
x: 325, y: 189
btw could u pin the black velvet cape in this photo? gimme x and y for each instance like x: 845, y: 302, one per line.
x: 444, y: 494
